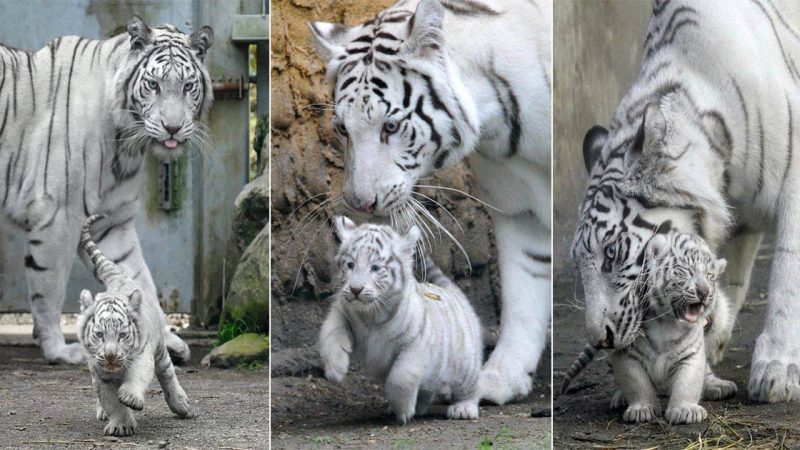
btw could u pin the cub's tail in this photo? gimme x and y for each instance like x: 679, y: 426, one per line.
x: 432, y: 273
x: 586, y: 357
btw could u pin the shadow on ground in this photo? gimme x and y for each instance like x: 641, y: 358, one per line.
x: 311, y: 412
x: 43, y: 406
x: 582, y: 418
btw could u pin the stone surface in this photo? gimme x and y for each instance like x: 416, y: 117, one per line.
x: 251, y: 211
x: 242, y: 350
x: 307, y: 170
x: 248, y: 297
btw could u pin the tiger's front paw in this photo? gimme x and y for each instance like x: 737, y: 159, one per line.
x: 687, y: 413
x: 467, y: 409
x: 715, y: 388
x: 618, y: 400
x: 639, y: 413
x: 336, y: 364
x: 120, y: 428
x: 129, y: 399
x: 178, y: 402
x: 101, y: 413
x: 775, y: 370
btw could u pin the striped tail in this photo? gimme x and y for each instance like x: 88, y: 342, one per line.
x: 107, y: 272
x: 432, y: 273
x: 586, y: 357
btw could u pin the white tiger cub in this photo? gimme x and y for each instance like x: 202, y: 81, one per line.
x: 427, y: 83
x: 122, y: 330
x: 76, y: 121
x: 420, y: 340
x: 679, y: 299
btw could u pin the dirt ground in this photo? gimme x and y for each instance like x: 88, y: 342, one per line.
x: 582, y: 418
x: 310, y: 412
x: 43, y: 406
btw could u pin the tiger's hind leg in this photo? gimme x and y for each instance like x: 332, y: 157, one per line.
x: 48, y: 263
x: 741, y: 253
x: 174, y: 394
x: 523, y: 245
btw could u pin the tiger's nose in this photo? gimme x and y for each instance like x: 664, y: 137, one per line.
x: 172, y: 130
x: 703, y: 291
x: 608, y: 341
x: 356, y: 290
x: 361, y: 204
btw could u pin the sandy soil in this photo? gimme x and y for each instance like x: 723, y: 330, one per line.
x: 53, y: 406
x: 582, y: 418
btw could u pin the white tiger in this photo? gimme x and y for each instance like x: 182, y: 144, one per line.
x: 76, y: 120
x: 677, y: 298
x: 420, y: 340
x: 704, y: 142
x: 122, y: 330
x: 427, y: 83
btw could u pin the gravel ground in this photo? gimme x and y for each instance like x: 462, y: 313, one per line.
x: 582, y: 419
x: 53, y: 406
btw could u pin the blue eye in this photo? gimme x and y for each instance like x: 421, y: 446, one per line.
x: 188, y: 87
x: 98, y: 334
x: 390, y: 126
x: 350, y: 264
x: 375, y: 268
x: 340, y: 128
x: 152, y: 84
x: 611, y: 251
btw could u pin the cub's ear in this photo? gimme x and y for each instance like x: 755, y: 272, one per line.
x: 344, y: 227
x: 410, y: 239
x: 657, y: 247
x: 593, y: 143
x: 141, y: 34
x: 719, y: 266
x: 329, y: 39
x: 425, y: 36
x: 201, y: 40
x: 135, y: 301
x: 87, y: 300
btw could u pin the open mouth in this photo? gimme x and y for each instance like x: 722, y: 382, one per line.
x: 693, y: 311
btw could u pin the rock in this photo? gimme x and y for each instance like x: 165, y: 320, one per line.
x: 296, y: 362
x: 248, y: 297
x: 244, y: 349
x: 251, y: 211
x: 541, y: 411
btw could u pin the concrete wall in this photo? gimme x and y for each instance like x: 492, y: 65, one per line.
x: 597, y: 51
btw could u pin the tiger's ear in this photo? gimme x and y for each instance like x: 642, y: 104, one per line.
x: 657, y: 247
x: 425, y: 36
x: 649, y: 141
x: 329, y: 39
x: 87, y: 300
x: 201, y: 40
x: 344, y: 227
x: 593, y: 143
x: 719, y: 266
x: 135, y: 301
x: 141, y: 34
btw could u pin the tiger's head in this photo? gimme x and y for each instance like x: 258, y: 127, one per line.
x: 681, y: 276
x: 374, y: 264
x: 108, y: 328
x: 400, y: 110
x: 162, y: 89
x: 642, y: 182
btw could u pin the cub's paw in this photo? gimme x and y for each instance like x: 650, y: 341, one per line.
x: 404, y: 417
x: 114, y: 428
x: 774, y: 381
x: 686, y: 414
x: 638, y: 413
x: 715, y: 388
x: 336, y: 364
x: 463, y: 410
x: 618, y: 400
x: 129, y: 399
x: 178, y: 403
x: 101, y: 413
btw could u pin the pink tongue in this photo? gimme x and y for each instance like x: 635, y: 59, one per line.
x: 693, y: 313
x: 170, y: 143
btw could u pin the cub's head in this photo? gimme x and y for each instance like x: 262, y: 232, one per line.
x: 374, y: 263
x: 108, y: 328
x: 399, y: 110
x: 163, y: 88
x: 681, y: 276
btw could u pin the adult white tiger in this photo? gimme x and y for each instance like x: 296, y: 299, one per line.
x: 76, y: 120
x: 703, y: 142
x: 427, y: 83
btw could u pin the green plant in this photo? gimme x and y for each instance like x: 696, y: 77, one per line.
x: 230, y: 329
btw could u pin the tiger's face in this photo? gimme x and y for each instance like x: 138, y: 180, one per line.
x: 396, y: 106
x: 373, y: 264
x: 682, y: 272
x: 108, y: 330
x: 163, y: 88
